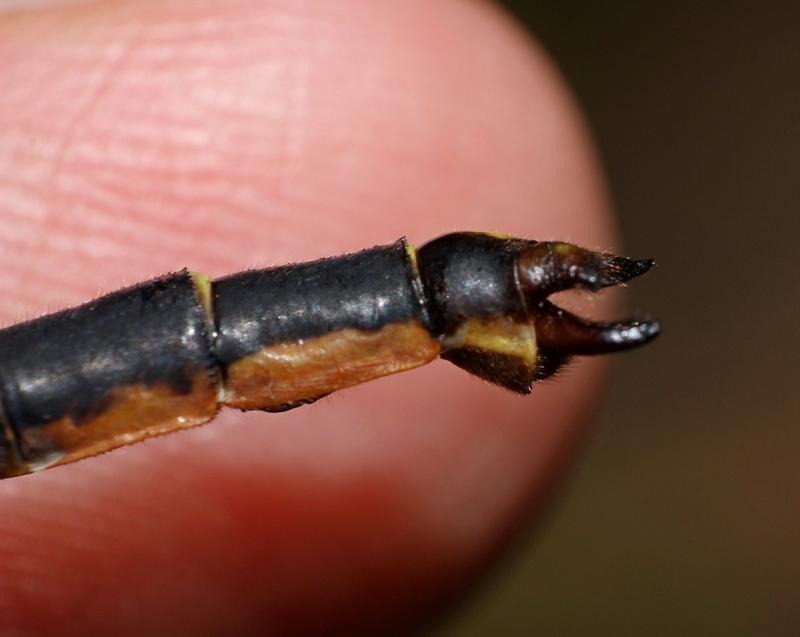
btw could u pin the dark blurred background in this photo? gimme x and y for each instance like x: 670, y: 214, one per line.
x: 682, y: 517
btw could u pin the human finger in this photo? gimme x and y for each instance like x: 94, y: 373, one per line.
x: 141, y: 137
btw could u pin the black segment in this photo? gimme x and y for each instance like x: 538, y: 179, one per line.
x: 366, y: 290
x: 7, y: 457
x: 469, y: 275
x: 67, y: 363
x: 510, y: 372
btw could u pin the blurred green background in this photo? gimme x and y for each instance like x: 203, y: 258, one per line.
x: 682, y: 517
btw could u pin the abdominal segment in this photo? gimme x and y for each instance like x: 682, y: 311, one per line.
x: 124, y: 367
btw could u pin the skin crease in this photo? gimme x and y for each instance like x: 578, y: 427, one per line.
x: 138, y: 137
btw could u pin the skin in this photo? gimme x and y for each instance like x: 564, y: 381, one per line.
x: 137, y: 137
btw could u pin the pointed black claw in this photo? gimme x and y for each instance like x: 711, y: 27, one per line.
x: 616, y: 270
x: 549, y: 266
x: 560, y: 331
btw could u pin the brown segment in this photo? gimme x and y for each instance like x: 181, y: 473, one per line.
x: 289, y: 372
x: 130, y: 415
x: 9, y: 459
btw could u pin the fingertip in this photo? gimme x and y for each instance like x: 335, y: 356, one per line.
x: 230, y: 135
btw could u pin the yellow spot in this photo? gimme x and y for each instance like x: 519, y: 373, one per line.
x: 500, y: 335
x: 202, y: 285
x: 411, y: 251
